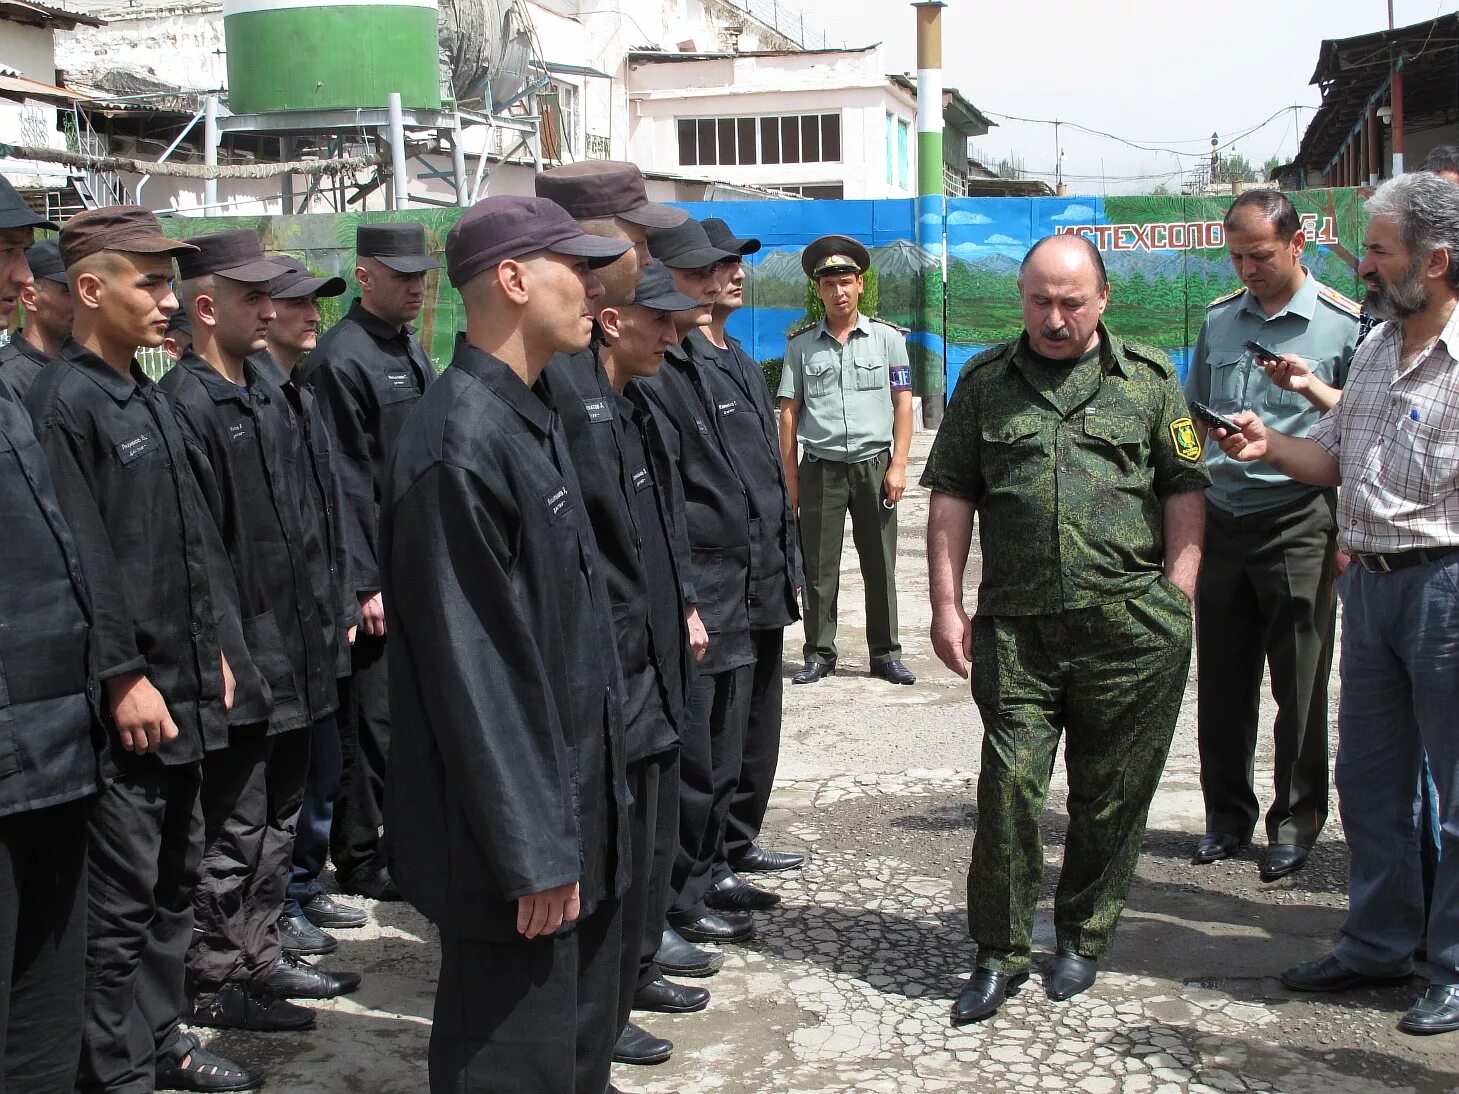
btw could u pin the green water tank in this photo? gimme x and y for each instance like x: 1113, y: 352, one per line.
x: 330, y: 54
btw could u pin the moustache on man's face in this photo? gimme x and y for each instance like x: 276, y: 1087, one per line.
x: 1062, y: 334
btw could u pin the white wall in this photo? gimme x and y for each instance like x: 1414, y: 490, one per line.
x: 28, y: 50
x: 181, y: 50
x: 31, y: 52
x: 849, y: 83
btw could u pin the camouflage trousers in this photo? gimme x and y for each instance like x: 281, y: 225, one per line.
x: 1109, y: 679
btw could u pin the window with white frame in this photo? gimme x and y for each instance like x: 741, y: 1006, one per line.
x: 743, y: 141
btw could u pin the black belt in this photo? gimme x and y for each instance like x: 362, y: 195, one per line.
x: 1402, y: 560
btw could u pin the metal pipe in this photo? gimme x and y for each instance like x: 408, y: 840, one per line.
x: 1397, y: 120
x: 458, y: 166
x: 171, y: 148
x: 210, y: 149
x: 398, y: 177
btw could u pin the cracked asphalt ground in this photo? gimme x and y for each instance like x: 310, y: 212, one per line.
x: 848, y: 984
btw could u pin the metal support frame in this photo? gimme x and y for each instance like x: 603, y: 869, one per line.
x: 210, y: 150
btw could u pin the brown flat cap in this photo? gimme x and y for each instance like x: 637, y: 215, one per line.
x: 606, y: 188
x: 235, y: 254
x: 496, y: 229
x: 126, y: 228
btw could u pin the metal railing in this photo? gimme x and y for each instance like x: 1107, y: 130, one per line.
x: 100, y: 187
x: 787, y: 20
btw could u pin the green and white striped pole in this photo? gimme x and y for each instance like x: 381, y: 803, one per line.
x: 931, y: 200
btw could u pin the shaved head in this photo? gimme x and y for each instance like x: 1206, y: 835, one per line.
x: 1063, y: 292
x: 1071, y: 249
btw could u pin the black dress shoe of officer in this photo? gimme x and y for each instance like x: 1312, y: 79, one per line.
x: 735, y: 894
x: 1329, y: 974
x: 713, y: 927
x: 1071, y: 974
x: 1282, y: 859
x: 813, y: 671
x: 1214, y: 846
x: 1435, y: 1011
x: 662, y: 997
x: 639, y: 1046
x: 984, y: 994
x: 757, y: 860
x: 679, y: 957
x: 375, y: 884
x: 298, y: 935
x: 894, y: 672
x: 324, y: 911
x: 234, y: 1006
x: 295, y: 978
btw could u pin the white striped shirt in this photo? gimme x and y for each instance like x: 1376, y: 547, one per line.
x: 1395, y: 435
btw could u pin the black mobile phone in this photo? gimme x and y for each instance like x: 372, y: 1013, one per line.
x: 1214, y: 420
x: 1261, y: 350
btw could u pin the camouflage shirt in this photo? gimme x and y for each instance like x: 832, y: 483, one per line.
x: 1069, y: 469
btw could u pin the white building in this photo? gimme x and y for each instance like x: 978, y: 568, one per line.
x: 619, y: 79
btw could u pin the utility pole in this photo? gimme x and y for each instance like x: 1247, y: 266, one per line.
x: 931, y: 195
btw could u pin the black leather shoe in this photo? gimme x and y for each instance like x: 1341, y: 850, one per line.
x: 375, y: 884
x: 324, y: 911
x: 1071, y: 974
x: 1214, y: 846
x: 1329, y: 974
x: 204, y: 1070
x: 813, y: 671
x: 234, y: 1006
x: 735, y: 894
x: 894, y: 672
x: 295, y: 978
x: 1282, y: 859
x: 713, y: 927
x: 678, y: 957
x: 298, y: 935
x: 639, y: 1046
x: 666, y: 998
x: 757, y: 860
x: 1435, y: 1011
x: 984, y: 994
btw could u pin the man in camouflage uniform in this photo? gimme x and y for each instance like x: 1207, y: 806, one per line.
x: 1076, y: 452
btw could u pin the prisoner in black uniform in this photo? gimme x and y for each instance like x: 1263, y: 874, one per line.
x: 507, y: 811
x: 366, y: 372
x: 123, y: 479
x: 47, y: 304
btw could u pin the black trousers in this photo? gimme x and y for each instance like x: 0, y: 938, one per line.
x: 762, y: 749
x: 654, y: 783
x: 42, y: 947
x: 364, y: 733
x: 537, y: 1016
x: 709, y: 758
x: 145, y: 840
x: 311, y: 834
x: 250, y: 798
x: 1266, y: 599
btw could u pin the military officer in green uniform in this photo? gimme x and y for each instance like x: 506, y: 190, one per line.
x: 846, y: 395
x: 1265, y: 593
x: 1076, y: 452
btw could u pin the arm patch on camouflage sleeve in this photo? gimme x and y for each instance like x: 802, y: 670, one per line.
x: 1187, y: 442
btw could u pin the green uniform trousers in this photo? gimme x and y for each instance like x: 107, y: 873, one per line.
x: 827, y: 490
x: 1110, y: 679
x: 1265, y: 593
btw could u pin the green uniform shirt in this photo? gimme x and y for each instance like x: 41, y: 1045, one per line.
x: 1069, y: 468
x: 1319, y: 325
x: 845, y: 391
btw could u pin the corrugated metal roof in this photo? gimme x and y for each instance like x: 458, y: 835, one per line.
x: 45, y: 15
x: 12, y: 84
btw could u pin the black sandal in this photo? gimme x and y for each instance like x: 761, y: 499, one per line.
x: 195, y: 1068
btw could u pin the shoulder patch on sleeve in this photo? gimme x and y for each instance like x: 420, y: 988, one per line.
x: 987, y: 357
x: 1228, y: 296
x: 889, y: 323
x: 1187, y: 442
x: 1149, y: 355
x: 1344, y: 304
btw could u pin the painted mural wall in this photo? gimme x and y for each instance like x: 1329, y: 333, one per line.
x: 1165, y: 257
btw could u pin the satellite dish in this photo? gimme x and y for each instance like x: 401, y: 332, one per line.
x: 488, y: 46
